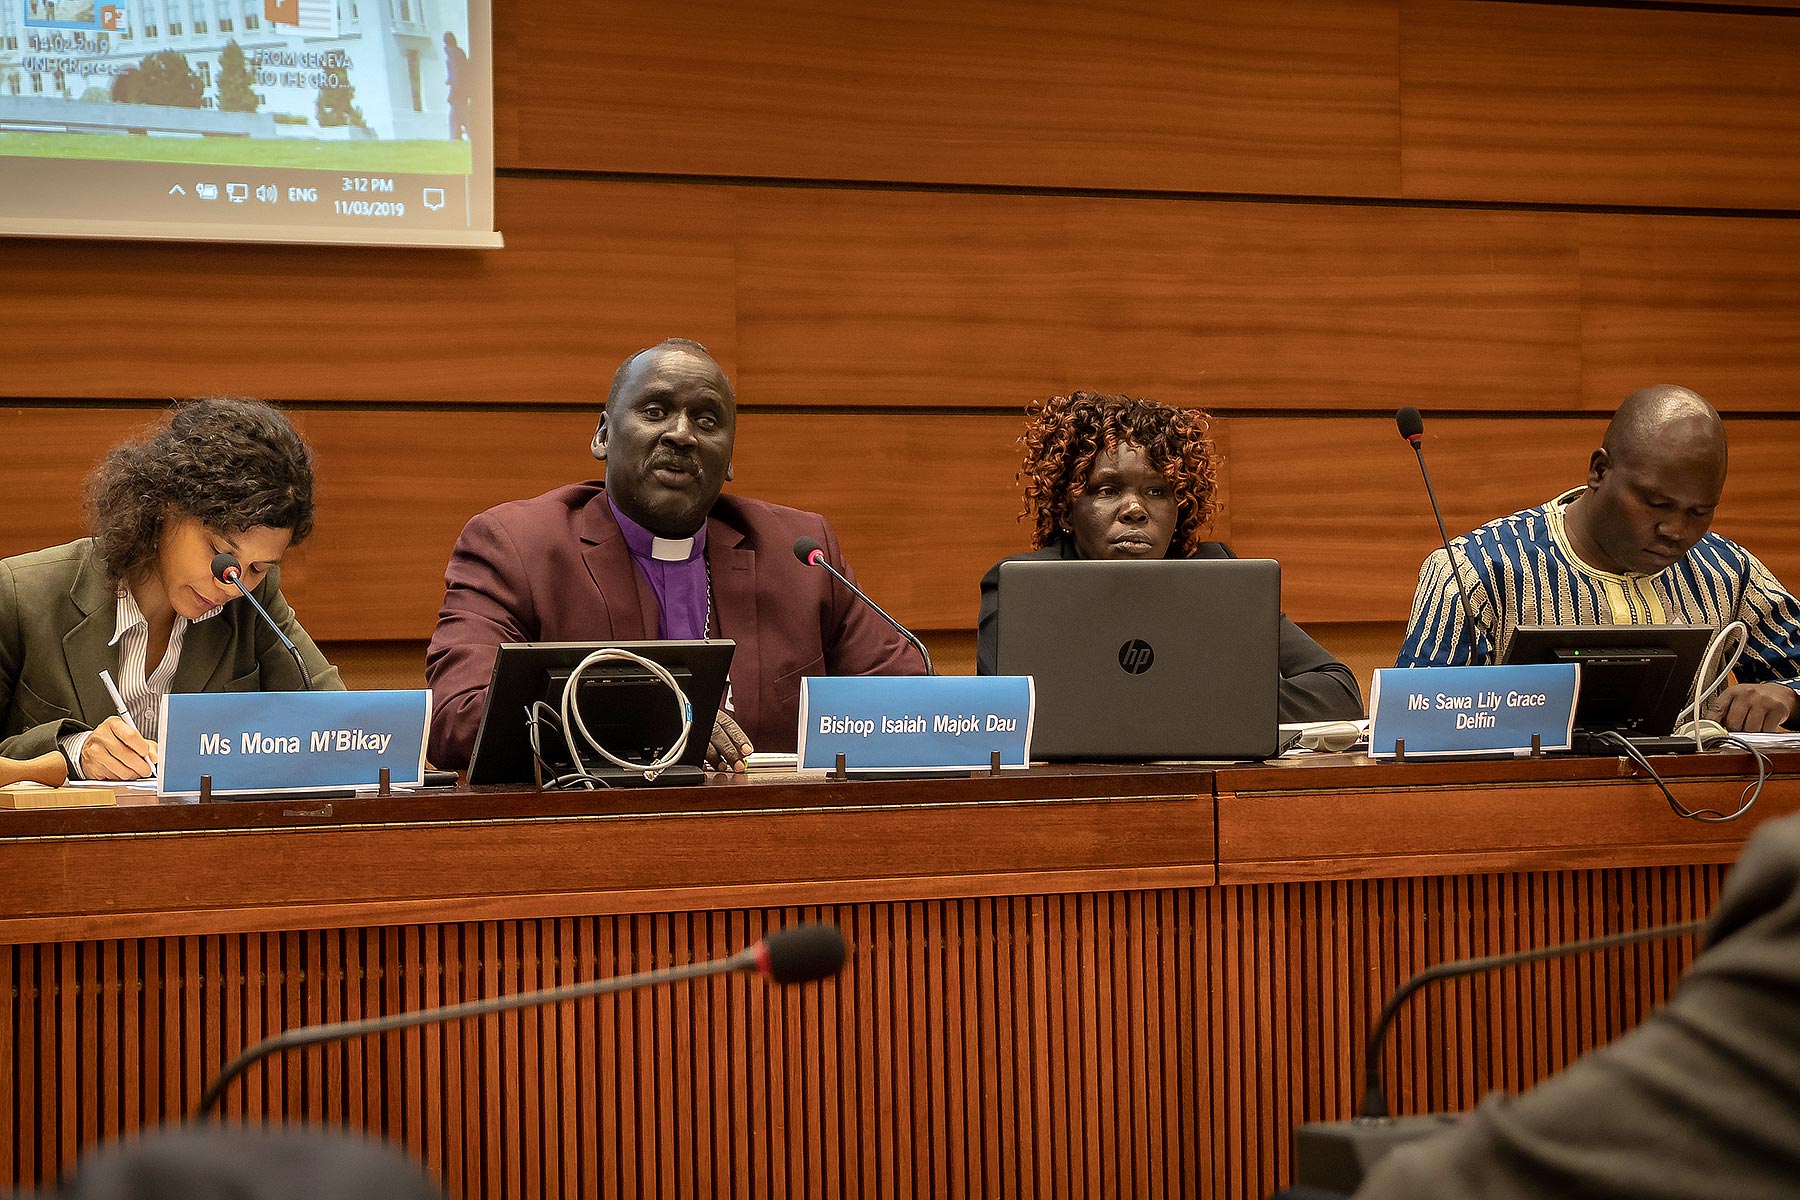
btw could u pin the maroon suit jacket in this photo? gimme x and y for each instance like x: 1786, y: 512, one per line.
x: 556, y: 569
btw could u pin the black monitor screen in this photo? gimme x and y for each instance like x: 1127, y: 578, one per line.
x: 626, y: 708
x: 1635, y: 679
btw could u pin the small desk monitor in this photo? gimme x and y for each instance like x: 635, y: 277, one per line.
x: 1635, y: 679
x: 628, y: 710
x: 1176, y: 658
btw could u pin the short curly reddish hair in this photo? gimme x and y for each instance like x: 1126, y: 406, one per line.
x: 1064, y: 434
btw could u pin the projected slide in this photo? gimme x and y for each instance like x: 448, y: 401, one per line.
x: 278, y: 120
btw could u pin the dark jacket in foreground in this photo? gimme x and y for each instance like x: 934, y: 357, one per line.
x: 1701, y: 1100
x: 1314, y: 685
x: 197, y: 1162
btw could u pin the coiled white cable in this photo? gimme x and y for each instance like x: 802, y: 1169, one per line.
x: 1708, y: 678
x: 572, y: 721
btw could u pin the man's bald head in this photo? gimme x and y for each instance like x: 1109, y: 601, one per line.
x: 1652, y: 485
x: 1667, y: 420
x: 674, y: 345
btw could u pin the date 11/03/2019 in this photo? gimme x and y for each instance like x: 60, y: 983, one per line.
x: 369, y: 208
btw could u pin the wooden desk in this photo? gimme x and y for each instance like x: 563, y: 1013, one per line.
x: 1099, y: 980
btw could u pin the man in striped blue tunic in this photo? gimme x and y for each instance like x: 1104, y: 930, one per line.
x: 1630, y: 548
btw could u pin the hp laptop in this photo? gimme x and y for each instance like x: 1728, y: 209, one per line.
x: 1176, y: 658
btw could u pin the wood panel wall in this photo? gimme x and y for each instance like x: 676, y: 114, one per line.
x: 1143, y: 1043
x: 896, y: 227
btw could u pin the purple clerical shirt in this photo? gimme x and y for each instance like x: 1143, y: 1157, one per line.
x: 676, y: 570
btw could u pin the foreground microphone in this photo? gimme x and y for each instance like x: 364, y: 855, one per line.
x: 1412, y: 428
x: 225, y: 569
x: 808, y: 551
x: 799, y: 954
x: 1336, y: 1154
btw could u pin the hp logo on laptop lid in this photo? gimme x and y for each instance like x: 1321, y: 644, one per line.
x: 1136, y: 656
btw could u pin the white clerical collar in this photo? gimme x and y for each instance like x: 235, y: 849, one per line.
x: 664, y: 549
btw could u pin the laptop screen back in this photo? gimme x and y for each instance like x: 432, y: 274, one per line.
x: 1177, y: 658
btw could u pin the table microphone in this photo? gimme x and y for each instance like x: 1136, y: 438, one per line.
x: 225, y: 569
x: 1338, y: 1154
x: 1412, y: 428
x: 808, y: 551
x: 797, y: 954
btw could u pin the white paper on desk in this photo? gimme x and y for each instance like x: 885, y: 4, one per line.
x: 1782, y: 740
x: 771, y: 761
x: 1314, y: 735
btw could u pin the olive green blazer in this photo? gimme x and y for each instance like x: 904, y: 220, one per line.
x: 58, y: 612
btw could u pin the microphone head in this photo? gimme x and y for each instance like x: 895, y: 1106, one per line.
x: 805, y: 548
x: 225, y: 568
x: 801, y: 953
x: 1412, y: 425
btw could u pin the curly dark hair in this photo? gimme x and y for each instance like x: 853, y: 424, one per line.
x: 1064, y: 434
x: 231, y: 464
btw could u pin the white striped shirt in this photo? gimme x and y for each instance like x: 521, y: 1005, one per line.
x: 142, y: 692
x: 1522, y: 570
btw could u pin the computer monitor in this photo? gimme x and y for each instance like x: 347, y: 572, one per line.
x: 628, y: 710
x: 1635, y: 679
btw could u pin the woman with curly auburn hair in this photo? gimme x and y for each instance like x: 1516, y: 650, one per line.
x: 138, y: 599
x: 1116, y: 477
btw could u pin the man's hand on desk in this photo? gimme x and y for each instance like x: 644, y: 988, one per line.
x: 729, y: 746
x: 1754, y: 707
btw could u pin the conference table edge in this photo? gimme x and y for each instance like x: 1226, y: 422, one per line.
x: 243, y: 880
x: 1438, y: 819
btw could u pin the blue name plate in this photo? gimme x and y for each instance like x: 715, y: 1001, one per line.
x: 1464, y: 710
x: 291, y: 741
x: 915, y: 722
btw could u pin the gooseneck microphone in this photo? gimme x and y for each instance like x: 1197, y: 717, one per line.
x: 1336, y: 1155
x: 1374, y: 1101
x: 808, y: 551
x: 798, y: 954
x: 1412, y: 428
x: 226, y: 569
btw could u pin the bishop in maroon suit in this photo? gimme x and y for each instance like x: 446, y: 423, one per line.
x: 656, y: 552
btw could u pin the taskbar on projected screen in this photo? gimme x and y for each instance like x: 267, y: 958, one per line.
x: 363, y: 205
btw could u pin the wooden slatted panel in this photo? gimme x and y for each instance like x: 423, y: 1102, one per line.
x: 1128, y: 1044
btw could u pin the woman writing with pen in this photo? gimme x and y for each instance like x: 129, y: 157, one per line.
x: 138, y: 601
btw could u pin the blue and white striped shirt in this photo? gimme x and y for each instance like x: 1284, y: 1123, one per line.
x: 1521, y: 570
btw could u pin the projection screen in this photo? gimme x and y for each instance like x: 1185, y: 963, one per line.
x: 339, y: 121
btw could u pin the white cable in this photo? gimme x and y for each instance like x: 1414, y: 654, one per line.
x: 1707, y: 680
x: 572, y: 721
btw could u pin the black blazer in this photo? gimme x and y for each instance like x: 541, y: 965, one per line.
x: 1314, y: 685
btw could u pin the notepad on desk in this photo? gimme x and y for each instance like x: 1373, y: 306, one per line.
x: 77, y: 795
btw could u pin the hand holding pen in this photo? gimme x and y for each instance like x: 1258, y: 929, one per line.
x: 115, y: 749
